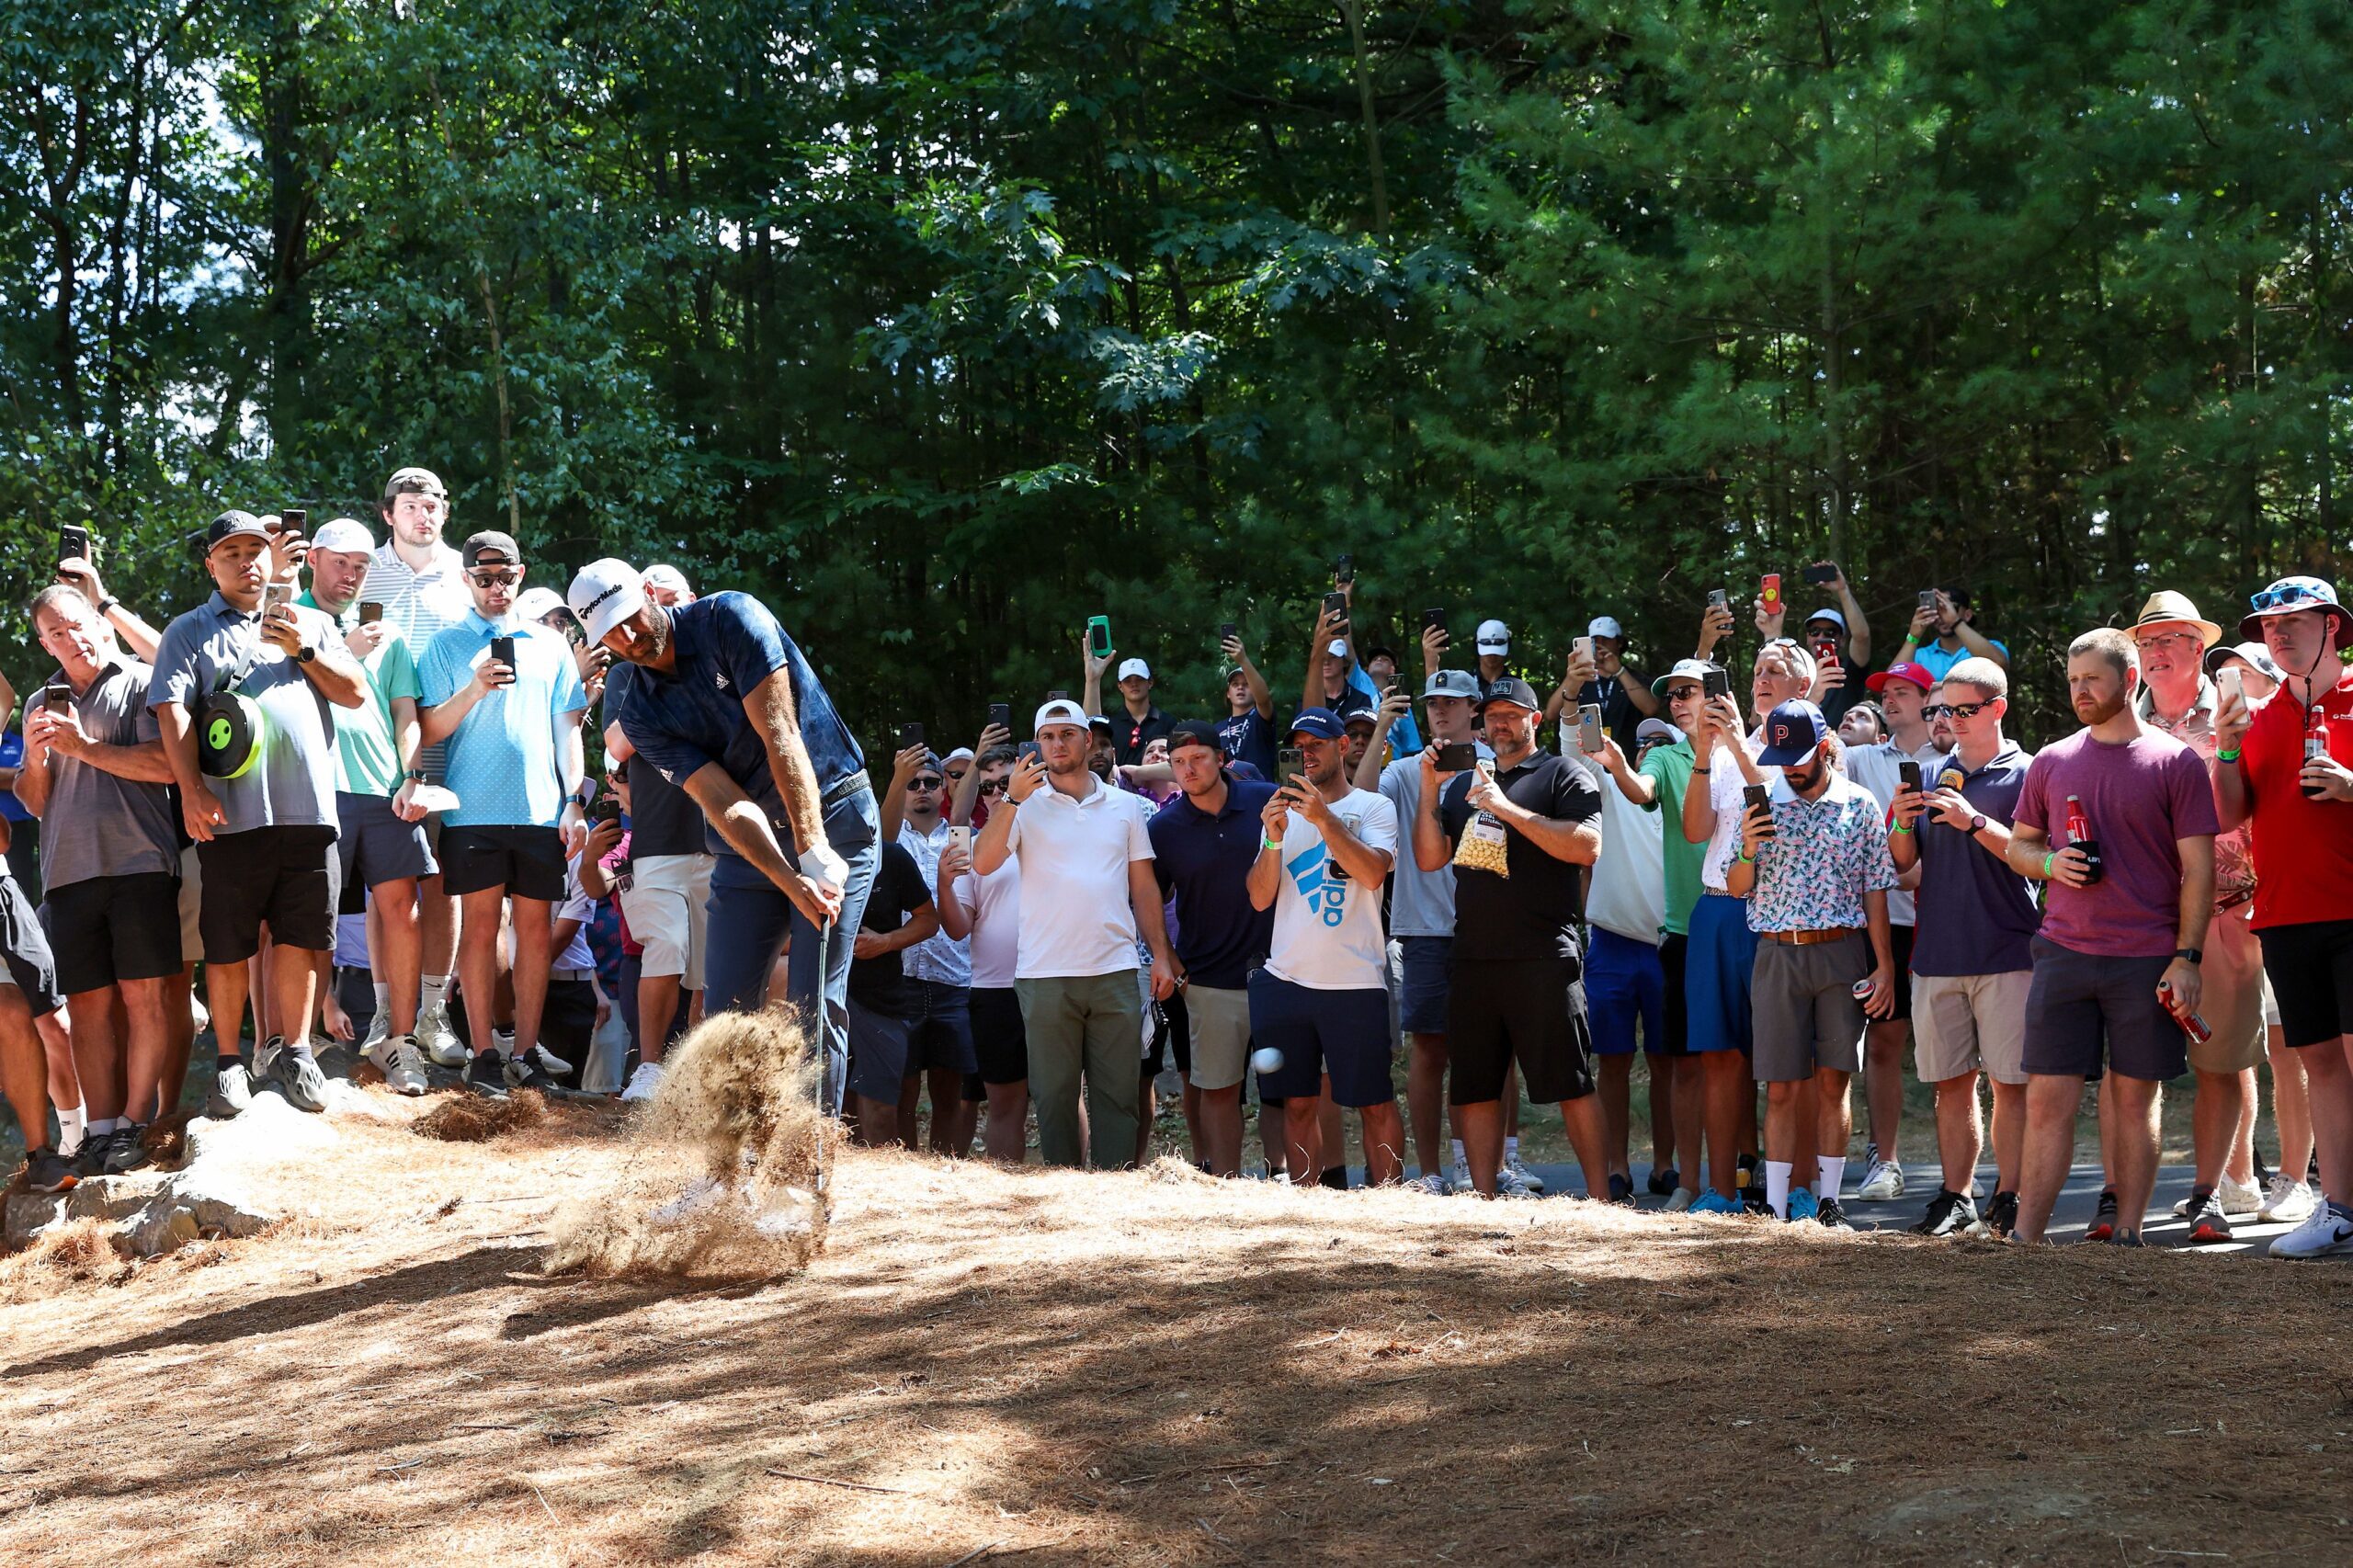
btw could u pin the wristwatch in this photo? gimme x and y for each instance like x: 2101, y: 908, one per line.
x: 305, y: 653
x: 2195, y: 955
x: 1976, y: 824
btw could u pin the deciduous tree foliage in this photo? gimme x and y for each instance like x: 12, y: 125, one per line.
x: 943, y: 326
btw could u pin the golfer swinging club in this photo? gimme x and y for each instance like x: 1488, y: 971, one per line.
x: 724, y: 704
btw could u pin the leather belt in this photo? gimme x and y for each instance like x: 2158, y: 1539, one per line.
x: 1812, y: 939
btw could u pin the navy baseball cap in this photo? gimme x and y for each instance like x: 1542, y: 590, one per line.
x: 1200, y: 731
x: 1321, y: 722
x: 1792, y: 731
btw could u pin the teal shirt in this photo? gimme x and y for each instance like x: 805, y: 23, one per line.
x: 504, y: 756
x: 367, y: 753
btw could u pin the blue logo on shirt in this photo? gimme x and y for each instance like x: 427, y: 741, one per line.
x: 1322, y: 883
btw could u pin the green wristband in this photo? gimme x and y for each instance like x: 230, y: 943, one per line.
x: 1904, y: 828
x: 2046, y: 864
x: 2226, y: 756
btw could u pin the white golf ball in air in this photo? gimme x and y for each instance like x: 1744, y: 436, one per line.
x: 1266, y: 1059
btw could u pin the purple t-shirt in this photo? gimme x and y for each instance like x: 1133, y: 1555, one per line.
x: 2138, y: 799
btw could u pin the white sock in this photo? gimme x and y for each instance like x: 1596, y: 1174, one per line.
x: 99, y: 1126
x: 1461, y: 1160
x: 1833, y: 1172
x: 433, y: 993
x: 1511, y: 1149
x: 1777, y: 1188
x: 70, y: 1125
x: 384, y: 998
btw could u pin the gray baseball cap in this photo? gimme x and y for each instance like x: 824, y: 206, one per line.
x: 1452, y: 683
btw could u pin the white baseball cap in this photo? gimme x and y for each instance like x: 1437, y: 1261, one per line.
x: 1831, y: 616
x: 535, y: 603
x: 1061, y: 710
x: 1339, y: 648
x: 1605, y: 626
x: 1495, y: 637
x: 604, y: 594
x: 345, y: 536
x: 667, y: 577
x: 1135, y: 667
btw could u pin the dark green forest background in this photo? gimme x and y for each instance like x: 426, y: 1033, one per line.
x: 944, y: 325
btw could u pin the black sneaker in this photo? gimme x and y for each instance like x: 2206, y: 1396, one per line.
x: 527, y: 1073
x: 1950, y: 1213
x: 1621, y: 1191
x: 1828, y: 1213
x: 1663, y: 1183
x: 2207, y: 1222
x: 2127, y: 1239
x: 89, y: 1157
x: 2002, y: 1214
x: 47, y: 1171
x: 486, y: 1075
x: 2103, y: 1225
x: 127, y: 1148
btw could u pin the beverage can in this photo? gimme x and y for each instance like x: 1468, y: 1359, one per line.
x: 1863, y: 989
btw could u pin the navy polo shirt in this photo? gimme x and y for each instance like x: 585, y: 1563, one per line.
x: 1205, y: 860
x: 727, y: 644
x: 1976, y: 916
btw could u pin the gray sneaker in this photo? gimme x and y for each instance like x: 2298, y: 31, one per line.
x: 232, y: 1091
x: 440, y: 1044
x: 294, y: 1074
x: 127, y: 1149
x: 401, y: 1062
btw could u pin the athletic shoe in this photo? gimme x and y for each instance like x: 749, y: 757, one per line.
x: 2002, y: 1214
x: 1803, y: 1205
x: 1752, y: 1199
x: 555, y: 1066
x: 1714, y: 1203
x: 1832, y: 1215
x: 486, y: 1075
x: 1950, y: 1213
x: 401, y: 1062
x: 1621, y: 1191
x: 127, y: 1148
x: 2326, y: 1231
x: 294, y: 1074
x: 1527, y: 1178
x: 2287, y: 1201
x: 442, y: 1047
x: 2239, y: 1197
x: 2207, y: 1222
x: 89, y: 1160
x: 1663, y: 1182
x: 1431, y: 1185
x: 379, y: 1029
x: 525, y: 1073
x: 648, y: 1078
x: 2128, y: 1239
x: 46, y: 1171
x: 1883, y: 1185
x: 1681, y: 1201
x: 2103, y: 1225
x: 1510, y: 1183
x: 233, y: 1090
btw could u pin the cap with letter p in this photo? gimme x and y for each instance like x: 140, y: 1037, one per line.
x: 604, y: 594
x: 1792, y: 731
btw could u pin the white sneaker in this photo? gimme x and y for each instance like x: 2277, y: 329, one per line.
x: 401, y: 1062
x: 555, y: 1066
x: 1527, y: 1178
x: 441, y: 1046
x: 700, y: 1193
x: 379, y: 1029
x: 2325, y: 1232
x: 1883, y: 1185
x: 643, y: 1082
x: 1512, y: 1182
x: 1684, y: 1197
x: 2288, y: 1201
x: 2238, y: 1197
x: 1433, y: 1184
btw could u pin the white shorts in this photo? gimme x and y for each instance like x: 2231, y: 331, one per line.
x: 664, y: 910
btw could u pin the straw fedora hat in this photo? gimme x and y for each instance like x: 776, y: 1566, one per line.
x: 2166, y: 608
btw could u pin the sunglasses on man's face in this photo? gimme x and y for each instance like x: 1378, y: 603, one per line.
x: 1954, y: 709
x: 923, y: 783
x: 490, y: 579
x: 995, y: 786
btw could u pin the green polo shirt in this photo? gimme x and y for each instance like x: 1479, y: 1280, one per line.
x: 367, y: 762
x: 1670, y: 768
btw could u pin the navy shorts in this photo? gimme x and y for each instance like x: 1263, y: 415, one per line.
x: 1673, y: 949
x: 878, y: 1052
x: 1344, y: 1033
x: 942, y: 1037
x: 2077, y: 1002
x: 1426, y: 970
x: 376, y: 847
x: 1720, y: 970
x: 1624, y: 986
x: 999, y: 1041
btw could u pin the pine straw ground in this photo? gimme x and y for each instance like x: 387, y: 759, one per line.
x: 1033, y: 1368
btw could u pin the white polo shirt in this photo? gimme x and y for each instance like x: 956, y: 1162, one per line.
x: 421, y: 603
x: 1075, y: 919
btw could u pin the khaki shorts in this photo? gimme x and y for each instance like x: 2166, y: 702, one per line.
x: 1968, y: 1023
x: 664, y: 910
x: 1219, y: 1023
x: 2231, y: 999
x: 192, y: 907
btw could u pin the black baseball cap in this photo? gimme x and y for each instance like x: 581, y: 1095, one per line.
x: 491, y: 542
x: 1200, y: 731
x: 233, y: 524
x: 1514, y: 691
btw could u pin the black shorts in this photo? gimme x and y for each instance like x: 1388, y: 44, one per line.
x: 2077, y: 1002
x: 106, y: 929
x: 23, y: 942
x: 1675, y: 1030
x: 527, y: 861
x: 2311, y: 971
x: 286, y: 877
x: 569, y: 1019
x: 942, y: 1039
x: 376, y: 846
x: 1900, y: 948
x: 999, y: 1042
x: 1532, y: 1009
